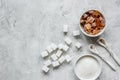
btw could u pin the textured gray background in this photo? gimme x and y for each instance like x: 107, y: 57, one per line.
x: 28, y: 26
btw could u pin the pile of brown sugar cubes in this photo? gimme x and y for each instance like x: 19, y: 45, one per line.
x: 92, y: 22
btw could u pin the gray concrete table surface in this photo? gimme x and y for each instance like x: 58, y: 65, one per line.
x: 27, y: 27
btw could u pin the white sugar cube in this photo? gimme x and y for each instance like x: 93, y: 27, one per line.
x: 76, y: 33
x: 78, y: 45
x: 60, y: 46
x: 61, y: 59
x: 45, y: 69
x: 65, y: 48
x: 68, y: 41
x: 44, y: 54
x: 55, y: 64
x: 54, y: 57
x: 68, y: 58
x: 59, y: 53
x: 65, y: 28
x: 54, y: 46
x: 49, y: 49
x: 48, y: 63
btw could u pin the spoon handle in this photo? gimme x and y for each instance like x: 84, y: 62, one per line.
x: 111, y: 65
x: 117, y: 60
x: 106, y: 61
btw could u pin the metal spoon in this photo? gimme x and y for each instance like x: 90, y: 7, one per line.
x: 95, y: 52
x: 103, y: 43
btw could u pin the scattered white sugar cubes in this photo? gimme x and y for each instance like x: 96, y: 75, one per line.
x: 49, y: 49
x: 45, y: 69
x: 44, y: 54
x: 60, y: 46
x: 55, y: 53
x: 78, y: 45
x: 68, y: 58
x: 55, y: 64
x: 48, y: 63
x: 65, y: 28
x: 54, y: 46
x: 61, y: 59
x: 54, y: 57
x: 59, y: 53
x: 68, y: 41
x: 76, y: 33
x: 65, y: 48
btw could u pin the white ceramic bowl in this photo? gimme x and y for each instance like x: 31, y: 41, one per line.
x: 97, y: 72
x: 89, y: 35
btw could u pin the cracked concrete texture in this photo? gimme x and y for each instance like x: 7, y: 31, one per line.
x: 27, y: 27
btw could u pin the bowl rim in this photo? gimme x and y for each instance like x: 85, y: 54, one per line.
x: 94, y: 57
x: 89, y: 35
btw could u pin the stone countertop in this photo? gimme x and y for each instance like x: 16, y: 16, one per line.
x: 27, y: 27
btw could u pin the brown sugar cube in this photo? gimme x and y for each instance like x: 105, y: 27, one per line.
x: 82, y: 21
x: 93, y: 24
x: 90, y: 19
x: 95, y: 32
x: 85, y: 15
x: 97, y: 22
x: 101, y: 18
x: 88, y: 31
x: 102, y: 23
x: 87, y: 27
x: 96, y: 14
x: 91, y: 11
